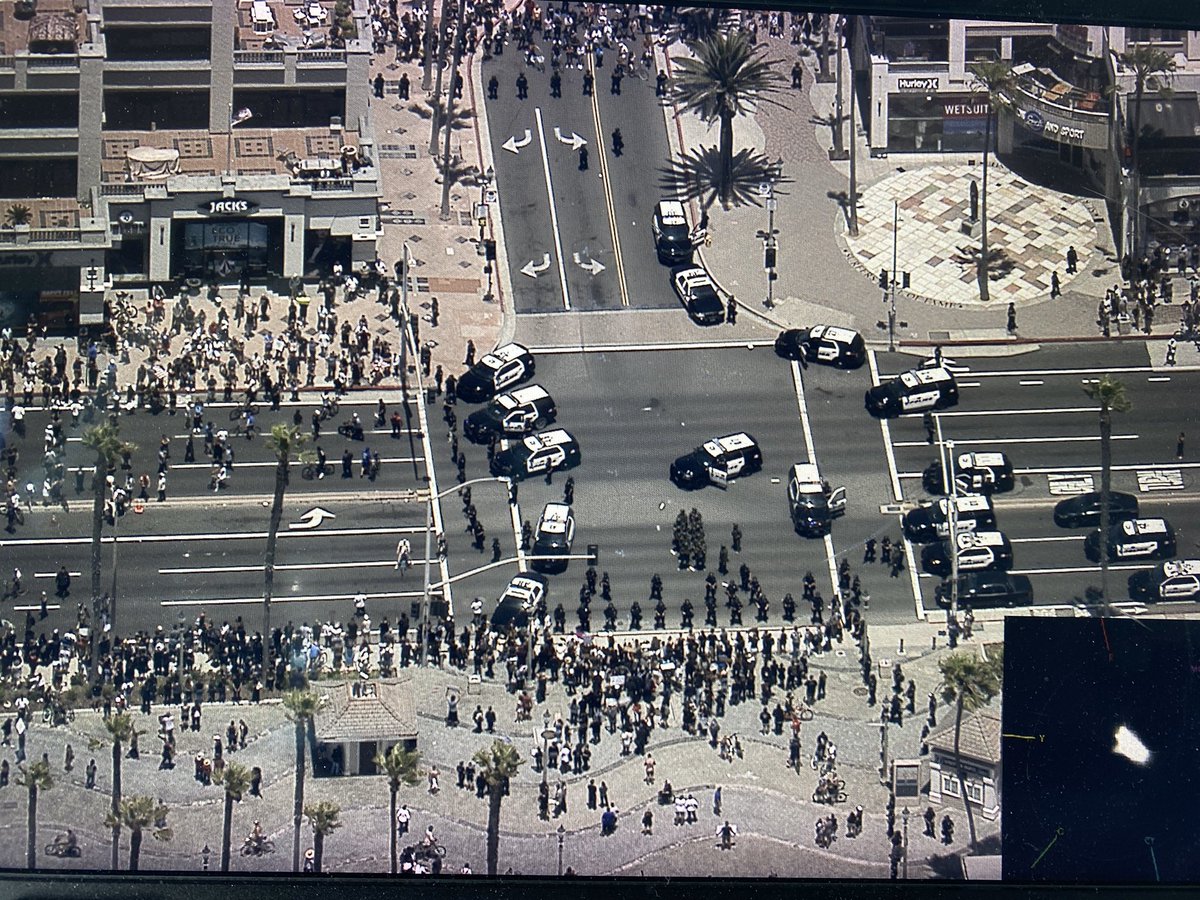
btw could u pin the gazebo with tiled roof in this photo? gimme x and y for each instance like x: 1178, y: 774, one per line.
x: 980, y: 748
x: 360, y: 719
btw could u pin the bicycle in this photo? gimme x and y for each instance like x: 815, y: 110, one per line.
x: 328, y: 410
x: 260, y: 848
x: 240, y: 412
x: 429, y: 850
x: 312, y: 470
x: 244, y: 430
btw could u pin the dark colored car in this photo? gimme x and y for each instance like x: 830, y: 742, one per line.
x: 696, y: 291
x: 974, y: 473
x: 981, y: 590
x: 717, y: 461
x: 825, y: 344
x: 503, y: 368
x: 519, y: 412
x: 1133, y: 539
x: 1083, y: 511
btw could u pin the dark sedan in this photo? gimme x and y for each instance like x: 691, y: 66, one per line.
x: 986, y: 589
x: 1083, y: 511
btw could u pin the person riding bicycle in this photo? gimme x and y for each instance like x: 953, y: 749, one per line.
x: 429, y: 840
x: 249, y: 422
x: 256, y: 837
x: 68, y: 842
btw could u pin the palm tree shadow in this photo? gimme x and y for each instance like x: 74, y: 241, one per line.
x: 945, y: 865
x: 697, y: 176
x: 1000, y: 262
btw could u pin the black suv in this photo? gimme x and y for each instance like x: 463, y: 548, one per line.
x: 1083, y: 511
x: 984, y: 589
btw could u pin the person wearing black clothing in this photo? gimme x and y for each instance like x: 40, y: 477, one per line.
x: 522, y: 87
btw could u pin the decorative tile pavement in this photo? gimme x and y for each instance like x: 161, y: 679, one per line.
x: 1030, y: 229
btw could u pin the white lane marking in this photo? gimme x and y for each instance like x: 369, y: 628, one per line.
x: 186, y: 434
x: 263, y: 464
x: 1160, y: 378
x: 1017, y: 373
x: 558, y: 251
x: 514, y: 510
x: 435, y: 504
x: 1019, y: 412
x: 226, y: 536
x: 300, y: 598
x: 53, y: 574
x: 299, y: 567
x: 963, y: 384
x: 806, y: 426
x: 609, y: 206
x: 1053, y: 470
x: 653, y: 348
x: 1033, y: 383
x: 1031, y: 440
x: 1047, y: 540
x: 1073, y: 570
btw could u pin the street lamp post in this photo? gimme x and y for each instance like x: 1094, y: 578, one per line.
x: 853, y: 160
x: 950, y: 486
x: 838, y: 150
x: 547, y: 733
x: 904, y: 819
x: 892, y: 291
x: 770, y: 247
x: 562, y: 833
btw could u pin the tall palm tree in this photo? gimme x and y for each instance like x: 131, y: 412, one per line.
x: 497, y: 764
x: 727, y: 77
x: 35, y: 778
x: 401, y: 767
x: 996, y: 79
x: 1110, y: 394
x: 235, y: 779
x: 969, y: 683
x: 323, y: 816
x: 139, y: 814
x: 1152, y: 67
x: 283, y: 442
x: 301, y: 706
x: 105, y: 441
x: 120, y: 729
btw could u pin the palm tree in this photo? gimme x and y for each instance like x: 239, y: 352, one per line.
x: 1110, y: 394
x: 1152, y: 67
x: 283, y: 441
x: 301, y: 706
x: 120, y: 730
x: 969, y: 683
x: 236, y: 780
x: 698, y: 174
x: 323, y: 816
x: 997, y: 80
x: 401, y: 767
x: 497, y: 764
x: 726, y: 78
x: 36, y: 778
x: 139, y: 814
x: 105, y: 441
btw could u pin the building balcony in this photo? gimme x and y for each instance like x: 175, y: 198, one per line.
x: 1042, y: 89
x: 57, y: 221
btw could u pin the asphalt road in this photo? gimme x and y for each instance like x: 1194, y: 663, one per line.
x: 566, y: 221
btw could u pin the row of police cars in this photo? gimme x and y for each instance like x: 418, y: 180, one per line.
x: 518, y: 415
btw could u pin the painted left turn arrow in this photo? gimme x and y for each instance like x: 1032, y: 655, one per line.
x: 532, y: 269
x: 574, y: 140
x: 311, y: 519
x: 514, y: 146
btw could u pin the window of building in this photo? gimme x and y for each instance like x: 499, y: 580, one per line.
x: 39, y: 109
x: 975, y: 792
x: 178, y: 42
x: 305, y: 108
x: 949, y: 784
x: 135, y: 110
x: 909, y: 40
x: 982, y: 49
x: 41, y: 177
x: 1154, y: 36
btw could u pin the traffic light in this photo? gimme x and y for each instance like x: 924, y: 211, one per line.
x: 512, y: 492
x: 904, y: 280
x: 769, y: 257
x: 489, y: 250
x: 593, y: 555
x: 883, y: 279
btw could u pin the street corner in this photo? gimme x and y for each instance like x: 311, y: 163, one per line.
x: 922, y: 219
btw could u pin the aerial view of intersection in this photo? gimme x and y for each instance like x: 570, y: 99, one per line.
x: 574, y: 439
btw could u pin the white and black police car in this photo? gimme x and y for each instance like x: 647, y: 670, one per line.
x: 1134, y: 539
x: 699, y: 295
x: 503, y: 368
x: 717, y: 462
x: 917, y: 390
x: 519, y: 600
x: 828, y: 345
x: 1175, y: 579
x: 813, y: 503
x: 536, y: 454
x: 931, y: 522
x: 985, y: 472
x: 978, y: 551
x: 553, y: 536
x: 673, y: 240
x: 527, y: 409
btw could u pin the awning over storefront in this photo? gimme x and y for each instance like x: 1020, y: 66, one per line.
x: 1168, y: 119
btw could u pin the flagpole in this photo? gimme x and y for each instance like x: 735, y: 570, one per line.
x: 229, y: 144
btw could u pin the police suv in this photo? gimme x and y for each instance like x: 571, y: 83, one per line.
x: 813, y: 503
x: 519, y: 412
x: 974, y: 473
x: 916, y: 390
x: 1134, y: 539
x: 536, y: 454
x: 519, y: 600
x: 696, y: 291
x: 503, y: 368
x: 829, y: 345
x: 553, y: 536
x: 931, y: 522
x: 672, y: 237
x: 717, y: 461
x: 978, y: 551
x: 1175, y: 579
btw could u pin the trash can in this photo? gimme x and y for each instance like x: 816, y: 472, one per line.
x: 1124, y: 323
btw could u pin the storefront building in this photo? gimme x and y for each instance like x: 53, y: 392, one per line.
x: 979, y: 747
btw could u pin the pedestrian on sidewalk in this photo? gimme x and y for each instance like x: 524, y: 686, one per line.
x: 404, y: 86
x: 797, y: 75
x: 1055, y: 286
x: 1172, y: 349
x: 1012, y: 319
x: 648, y: 822
x: 469, y: 359
x: 1072, y: 261
x: 378, y: 84
x: 731, y: 310
x: 90, y: 774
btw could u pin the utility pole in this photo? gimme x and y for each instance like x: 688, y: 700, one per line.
x: 823, y: 75
x: 770, y: 245
x: 427, y: 80
x: 458, y: 47
x: 838, y: 151
x: 892, y: 286
x: 435, y: 103
x: 853, y: 160
x: 950, y: 486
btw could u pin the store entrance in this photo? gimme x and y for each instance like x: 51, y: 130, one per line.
x: 228, y: 250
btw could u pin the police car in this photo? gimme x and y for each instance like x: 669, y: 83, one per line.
x: 519, y: 600
x: 1175, y: 579
x: 916, y: 390
x: 696, y: 291
x: 536, y: 454
x: 672, y: 237
x: 717, y: 461
x: 975, y: 473
x: 518, y: 412
x: 553, y: 536
x: 1083, y: 510
x: 978, y: 551
x: 932, y: 521
x: 825, y: 344
x: 503, y: 368
x: 1134, y: 539
x: 985, y: 589
x: 812, y: 502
